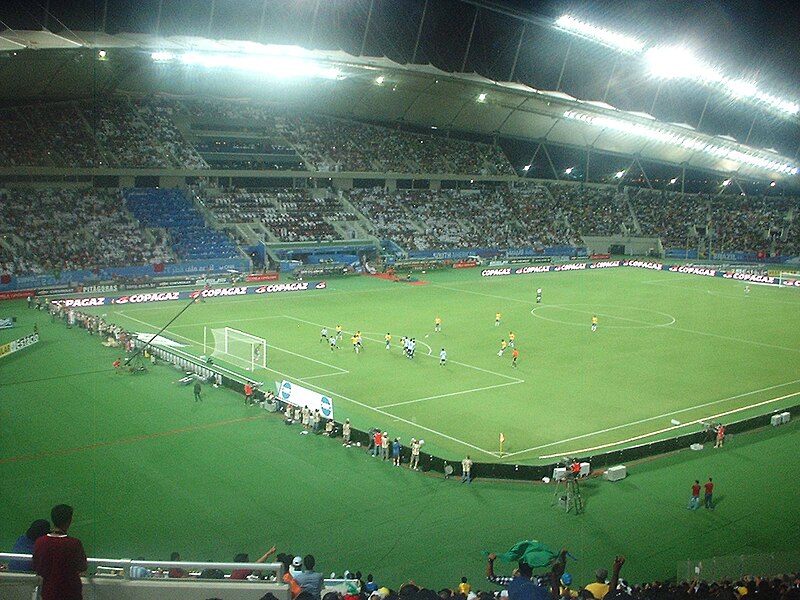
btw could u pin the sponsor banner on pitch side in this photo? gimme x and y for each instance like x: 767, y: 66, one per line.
x: 296, y: 395
x: 17, y: 345
x: 700, y: 271
x: 151, y: 297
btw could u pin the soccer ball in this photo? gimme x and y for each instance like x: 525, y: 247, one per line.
x: 426, y: 335
x: 422, y: 442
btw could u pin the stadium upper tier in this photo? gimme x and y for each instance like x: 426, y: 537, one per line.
x: 355, y: 88
x: 163, y: 133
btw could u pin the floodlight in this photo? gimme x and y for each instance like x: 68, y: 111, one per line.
x: 726, y: 183
x: 673, y: 181
x: 162, y: 56
x: 380, y: 79
x: 568, y: 170
x: 526, y: 168
x: 672, y: 62
x: 102, y: 54
x: 482, y: 97
x: 272, y: 65
x: 619, y: 174
x: 662, y: 133
x: 772, y: 184
x: 612, y: 39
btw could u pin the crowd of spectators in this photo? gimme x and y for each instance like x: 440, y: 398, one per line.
x: 735, y: 223
x: 338, y: 145
x: 290, y: 215
x: 142, y: 133
x: 54, y: 230
x: 115, y: 132
x: 591, y: 210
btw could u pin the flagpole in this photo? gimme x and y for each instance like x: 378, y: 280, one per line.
x: 502, y: 439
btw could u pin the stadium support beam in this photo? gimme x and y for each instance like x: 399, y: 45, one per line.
x: 469, y: 40
x: 419, y: 31
x: 655, y: 98
x: 703, y: 113
x: 105, y: 16
x: 563, y: 66
x: 550, y: 160
x: 750, y: 131
x: 313, y: 22
x: 644, y: 173
x: 586, y: 172
x: 158, y: 16
x: 611, y: 77
x: 366, y: 28
x: 264, y: 17
x: 211, y: 17
x: 516, y: 55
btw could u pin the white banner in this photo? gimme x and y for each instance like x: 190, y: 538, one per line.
x: 19, y: 344
x: 300, y: 396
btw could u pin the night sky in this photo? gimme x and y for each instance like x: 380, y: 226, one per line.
x: 757, y: 40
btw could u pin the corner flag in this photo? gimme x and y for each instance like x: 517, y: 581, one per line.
x: 502, y: 439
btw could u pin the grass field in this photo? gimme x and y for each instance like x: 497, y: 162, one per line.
x: 150, y: 471
x: 668, y: 347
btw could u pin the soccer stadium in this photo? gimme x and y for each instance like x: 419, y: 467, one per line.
x: 369, y: 299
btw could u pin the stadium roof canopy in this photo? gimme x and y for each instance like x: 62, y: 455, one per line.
x: 44, y: 66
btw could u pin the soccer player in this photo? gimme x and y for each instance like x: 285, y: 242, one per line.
x: 497, y: 319
x: 437, y: 325
x: 594, y: 322
x: 747, y: 290
x: 511, y: 338
x: 514, y: 356
x: 388, y: 339
x: 359, y: 340
x: 538, y: 295
x: 412, y: 346
x: 339, y: 331
x: 442, y: 358
x: 323, y: 334
x: 332, y: 342
x: 503, y: 346
x: 354, y: 339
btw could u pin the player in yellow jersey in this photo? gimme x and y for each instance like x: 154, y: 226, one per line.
x: 497, y: 319
x: 503, y: 346
x: 354, y: 339
x: 339, y: 331
x: 511, y: 338
x: 437, y: 324
x: 388, y: 339
x: 594, y: 322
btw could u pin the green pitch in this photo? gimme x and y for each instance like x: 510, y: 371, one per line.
x: 150, y: 471
x: 668, y: 347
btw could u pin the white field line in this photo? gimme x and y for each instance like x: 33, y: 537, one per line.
x: 356, y: 402
x: 666, y: 429
x: 480, y: 389
x: 615, y: 317
x: 656, y: 417
x: 455, y: 362
x: 735, y: 339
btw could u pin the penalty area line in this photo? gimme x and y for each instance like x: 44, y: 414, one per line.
x: 480, y: 389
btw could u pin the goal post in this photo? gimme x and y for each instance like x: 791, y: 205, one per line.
x: 788, y: 279
x: 240, y: 348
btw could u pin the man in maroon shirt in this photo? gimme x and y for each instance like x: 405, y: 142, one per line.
x: 59, y: 559
x: 708, y: 500
x: 694, y: 500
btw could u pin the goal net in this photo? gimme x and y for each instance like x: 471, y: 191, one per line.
x: 240, y: 348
